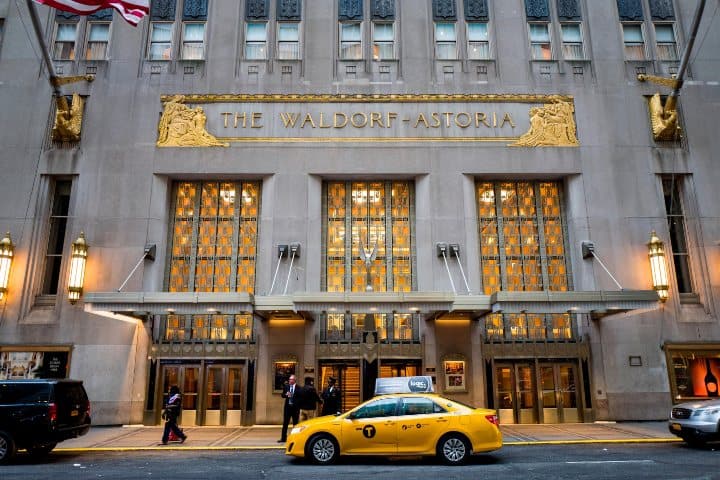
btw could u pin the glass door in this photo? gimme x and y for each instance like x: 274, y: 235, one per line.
x: 559, y: 393
x: 223, y: 395
x: 186, y: 378
x: 505, y: 393
x: 515, y: 393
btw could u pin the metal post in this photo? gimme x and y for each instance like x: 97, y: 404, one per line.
x: 43, y: 47
x: 672, y: 98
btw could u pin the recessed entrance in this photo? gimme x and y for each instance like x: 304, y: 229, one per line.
x: 533, y: 392
x: 212, y: 393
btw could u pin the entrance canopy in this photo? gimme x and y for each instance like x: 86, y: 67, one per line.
x: 432, y: 304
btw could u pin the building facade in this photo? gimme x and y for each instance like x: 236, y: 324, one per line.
x: 464, y: 189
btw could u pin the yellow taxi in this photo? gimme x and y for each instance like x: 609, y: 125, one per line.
x: 396, y: 425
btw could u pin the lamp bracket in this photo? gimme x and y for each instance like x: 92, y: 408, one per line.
x: 282, y: 251
x: 295, y: 249
x: 588, y: 249
x: 442, y: 249
x: 150, y: 250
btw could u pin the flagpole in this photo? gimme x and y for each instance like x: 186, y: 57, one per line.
x: 46, y: 54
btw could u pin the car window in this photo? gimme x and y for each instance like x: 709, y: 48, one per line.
x: 73, y: 392
x: 11, y: 393
x: 419, y: 406
x: 379, y: 408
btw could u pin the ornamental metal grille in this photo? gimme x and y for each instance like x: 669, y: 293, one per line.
x: 630, y: 9
x: 213, y: 237
x: 162, y: 10
x: 365, y: 217
x: 569, y: 9
x: 522, y: 237
x: 537, y: 9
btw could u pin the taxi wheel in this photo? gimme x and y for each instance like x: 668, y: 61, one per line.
x: 453, y: 449
x: 323, y: 449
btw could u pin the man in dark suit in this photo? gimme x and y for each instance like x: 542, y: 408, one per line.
x: 291, y: 409
x: 331, y: 398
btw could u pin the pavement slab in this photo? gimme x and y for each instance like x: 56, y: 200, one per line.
x: 266, y: 436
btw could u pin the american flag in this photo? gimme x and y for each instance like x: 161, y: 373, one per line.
x: 131, y: 10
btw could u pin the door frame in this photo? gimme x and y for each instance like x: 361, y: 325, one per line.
x: 202, y: 365
x: 537, y: 364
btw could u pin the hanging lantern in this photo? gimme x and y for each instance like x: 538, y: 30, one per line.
x: 658, y: 266
x: 6, y: 255
x: 78, y: 257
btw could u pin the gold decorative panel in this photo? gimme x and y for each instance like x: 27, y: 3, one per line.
x: 378, y: 216
x: 214, y: 236
x: 522, y: 236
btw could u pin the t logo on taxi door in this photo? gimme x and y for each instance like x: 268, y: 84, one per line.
x: 368, y: 431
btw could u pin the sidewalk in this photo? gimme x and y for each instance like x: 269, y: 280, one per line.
x: 266, y: 436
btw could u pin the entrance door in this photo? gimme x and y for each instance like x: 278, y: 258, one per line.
x: 186, y: 378
x: 515, y: 393
x: 348, y: 379
x: 559, y: 393
x: 223, y: 395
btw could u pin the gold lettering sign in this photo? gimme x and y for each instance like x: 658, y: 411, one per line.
x: 515, y: 120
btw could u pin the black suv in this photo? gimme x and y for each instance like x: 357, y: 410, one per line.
x: 37, y: 414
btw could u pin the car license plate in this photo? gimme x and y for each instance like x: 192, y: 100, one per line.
x: 676, y: 426
x: 73, y: 413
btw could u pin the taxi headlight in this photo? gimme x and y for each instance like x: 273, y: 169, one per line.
x: 296, y: 430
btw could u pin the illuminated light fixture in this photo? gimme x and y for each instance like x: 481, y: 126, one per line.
x: 658, y: 266
x: 6, y: 255
x: 78, y: 257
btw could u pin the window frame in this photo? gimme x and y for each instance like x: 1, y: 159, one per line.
x: 470, y: 42
x: 674, y: 43
x: 280, y: 42
x: 445, y: 43
x: 73, y: 52
x: 534, y: 43
x: 627, y: 45
x: 261, y: 44
x: 563, y: 43
x: 350, y: 43
x: 392, y: 42
x: 185, y: 43
x: 89, y: 28
x: 170, y: 42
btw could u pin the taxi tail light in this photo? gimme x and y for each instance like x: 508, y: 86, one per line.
x: 52, y: 412
x: 493, y: 419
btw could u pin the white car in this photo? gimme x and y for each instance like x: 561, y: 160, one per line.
x: 696, y: 422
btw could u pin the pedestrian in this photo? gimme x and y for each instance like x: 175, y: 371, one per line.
x: 290, y: 406
x: 170, y: 415
x: 308, y: 400
x: 331, y: 398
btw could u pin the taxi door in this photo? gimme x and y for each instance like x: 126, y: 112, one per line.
x: 420, y: 423
x: 371, y: 429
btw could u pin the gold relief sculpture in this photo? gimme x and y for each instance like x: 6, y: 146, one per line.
x: 68, y: 119
x: 552, y: 125
x: 663, y: 120
x: 182, y: 126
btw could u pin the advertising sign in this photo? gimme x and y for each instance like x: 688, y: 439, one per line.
x: 33, y: 364
x: 419, y: 384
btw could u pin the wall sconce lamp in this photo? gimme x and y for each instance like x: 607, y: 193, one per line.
x: 658, y: 266
x: 6, y: 255
x: 78, y: 257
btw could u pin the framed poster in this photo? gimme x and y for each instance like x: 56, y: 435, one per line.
x: 454, y: 375
x: 33, y: 364
x: 282, y: 370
